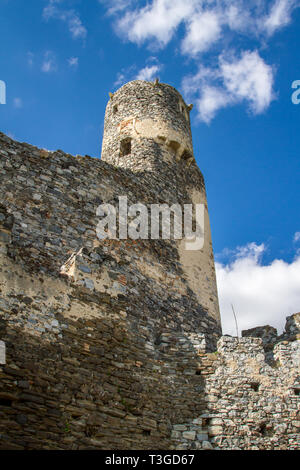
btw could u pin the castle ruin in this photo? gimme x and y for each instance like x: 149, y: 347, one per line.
x: 117, y: 344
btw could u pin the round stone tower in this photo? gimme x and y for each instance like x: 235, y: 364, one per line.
x: 147, y: 124
x: 147, y: 132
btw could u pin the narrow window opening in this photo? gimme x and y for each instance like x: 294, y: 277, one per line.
x: 186, y: 156
x: 115, y: 109
x: 254, y: 386
x: 205, y: 422
x: 146, y: 432
x: 198, y: 372
x: 6, y: 403
x: 125, y: 147
x: 262, y: 429
x: 266, y: 430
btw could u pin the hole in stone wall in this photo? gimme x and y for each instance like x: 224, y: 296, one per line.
x: 205, y: 422
x: 6, y: 403
x: 181, y: 107
x: 266, y: 430
x: 146, y: 432
x: 115, y: 109
x: 66, y: 165
x: 255, y: 386
x: 125, y: 147
x: 186, y: 155
x: 262, y: 428
x: 297, y: 392
x: 198, y: 372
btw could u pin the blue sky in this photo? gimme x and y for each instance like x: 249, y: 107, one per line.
x: 235, y: 60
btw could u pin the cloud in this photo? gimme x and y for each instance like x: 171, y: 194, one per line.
x: 49, y: 62
x: 70, y: 17
x: 213, y: 28
x: 18, y: 103
x: 202, y: 31
x: 250, y: 79
x: 115, y: 6
x: 157, y: 21
x: 297, y: 237
x: 73, y: 62
x: 212, y: 100
x: 125, y: 75
x: 280, y: 15
x: 235, y: 80
x: 205, y: 21
x: 261, y: 294
x: 148, y: 73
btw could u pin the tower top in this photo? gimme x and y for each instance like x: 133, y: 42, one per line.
x: 147, y: 122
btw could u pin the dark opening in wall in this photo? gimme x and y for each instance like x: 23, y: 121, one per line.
x: 255, y: 386
x: 205, y: 422
x: 266, y: 429
x: 186, y: 155
x: 146, y: 432
x: 297, y: 392
x: 125, y: 147
x: 115, y: 109
x: 263, y: 429
x: 6, y: 403
x: 66, y: 165
x: 198, y: 372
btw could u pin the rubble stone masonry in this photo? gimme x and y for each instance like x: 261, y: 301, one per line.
x: 116, y: 344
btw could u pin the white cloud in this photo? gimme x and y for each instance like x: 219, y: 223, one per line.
x: 212, y: 99
x: 250, y: 79
x: 70, y: 17
x: 280, y: 15
x: 218, y: 27
x: 73, y: 62
x: 157, y: 20
x: 202, y: 31
x: 49, y: 62
x: 297, y: 237
x: 125, y: 75
x: 261, y: 294
x: 148, y: 73
x: 18, y: 103
x: 234, y: 81
x: 116, y: 6
x: 205, y: 21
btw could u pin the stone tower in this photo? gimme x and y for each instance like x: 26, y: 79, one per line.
x: 147, y: 125
x: 147, y: 132
x: 104, y: 343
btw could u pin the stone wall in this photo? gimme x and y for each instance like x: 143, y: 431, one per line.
x: 113, y: 344
x: 250, y: 405
x: 102, y: 339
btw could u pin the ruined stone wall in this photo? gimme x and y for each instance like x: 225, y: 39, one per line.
x: 251, y: 404
x: 102, y: 339
x: 113, y: 344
